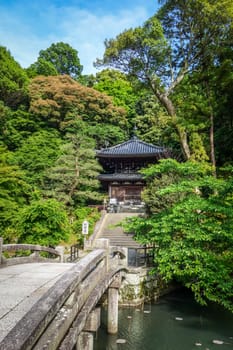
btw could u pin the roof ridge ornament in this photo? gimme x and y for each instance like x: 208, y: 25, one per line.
x: 134, y: 136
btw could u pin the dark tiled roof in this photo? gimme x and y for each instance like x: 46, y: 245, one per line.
x: 120, y: 177
x: 134, y: 146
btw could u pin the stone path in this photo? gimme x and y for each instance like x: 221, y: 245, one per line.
x: 21, y: 286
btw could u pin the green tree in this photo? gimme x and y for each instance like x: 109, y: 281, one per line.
x: 16, y: 126
x: 13, y: 80
x: 223, y: 90
x: 64, y: 59
x: 170, y: 172
x: 106, y: 135
x: 162, y: 54
x: 4, y: 112
x: 205, y: 37
x: 191, y: 101
x: 14, y: 193
x: 73, y: 178
x: 41, y: 67
x: 57, y: 100
x: 191, y: 222
x: 116, y: 84
x: 37, y: 154
x: 153, y: 124
x: 43, y: 222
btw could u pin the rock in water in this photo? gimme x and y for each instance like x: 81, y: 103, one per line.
x: 219, y: 342
x: 179, y: 319
x: 120, y: 341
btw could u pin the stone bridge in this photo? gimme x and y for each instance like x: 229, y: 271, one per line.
x: 55, y: 305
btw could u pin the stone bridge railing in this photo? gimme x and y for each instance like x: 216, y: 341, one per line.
x: 34, y: 254
x: 66, y: 316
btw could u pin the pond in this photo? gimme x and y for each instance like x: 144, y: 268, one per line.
x: 176, y: 322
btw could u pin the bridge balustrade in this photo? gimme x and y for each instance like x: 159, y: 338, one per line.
x: 27, y: 253
x: 57, y: 320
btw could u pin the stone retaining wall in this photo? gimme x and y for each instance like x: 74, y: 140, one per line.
x: 139, y: 286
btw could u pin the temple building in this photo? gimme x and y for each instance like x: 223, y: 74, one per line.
x: 121, y: 164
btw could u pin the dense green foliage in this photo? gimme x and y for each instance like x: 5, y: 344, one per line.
x: 183, y: 41
x: 73, y: 177
x: 50, y: 126
x: 85, y: 213
x: 13, y: 80
x: 14, y: 192
x: 116, y: 84
x: 182, y: 56
x: 43, y: 222
x: 59, y: 58
x: 190, y: 220
x: 171, y: 78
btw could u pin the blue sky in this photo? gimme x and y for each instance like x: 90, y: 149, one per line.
x: 26, y: 27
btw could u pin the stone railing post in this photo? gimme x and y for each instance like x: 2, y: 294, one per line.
x: 113, y: 310
x: 113, y: 297
x: 1, y: 243
x: 85, y: 339
x: 103, y: 243
x: 124, y: 261
x: 61, y: 250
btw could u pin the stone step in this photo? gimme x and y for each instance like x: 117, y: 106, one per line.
x: 115, y: 233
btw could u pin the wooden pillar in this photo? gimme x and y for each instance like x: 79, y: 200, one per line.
x: 85, y: 341
x: 113, y: 310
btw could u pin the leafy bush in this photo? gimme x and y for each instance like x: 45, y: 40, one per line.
x: 85, y: 213
x: 193, y: 231
x: 43, y: 222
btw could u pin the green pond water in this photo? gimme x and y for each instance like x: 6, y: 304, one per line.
x: 176, y: 322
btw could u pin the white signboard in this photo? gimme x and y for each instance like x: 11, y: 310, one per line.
x: 85, y: 227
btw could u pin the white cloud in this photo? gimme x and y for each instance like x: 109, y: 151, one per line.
x: 83, y: 30
x: 86, y: 32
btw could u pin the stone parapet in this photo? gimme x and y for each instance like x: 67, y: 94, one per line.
x: 1, y: 243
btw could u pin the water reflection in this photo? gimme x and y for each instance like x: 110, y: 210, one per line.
x: 175, y: 323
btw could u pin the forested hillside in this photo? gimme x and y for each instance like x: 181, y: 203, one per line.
x: 172, y: 79
x: 51, y: 126
x: 183, y: 56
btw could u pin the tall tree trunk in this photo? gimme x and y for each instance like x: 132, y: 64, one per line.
x: 183, y: 141
x: 211, y: 133
x: 168, y: 105
x: 212, y: 148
